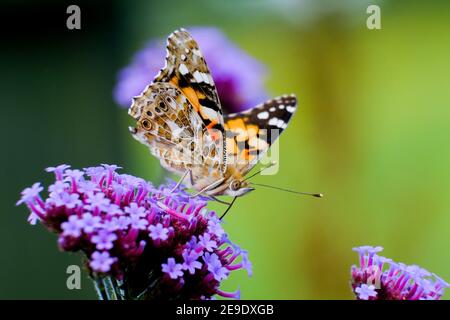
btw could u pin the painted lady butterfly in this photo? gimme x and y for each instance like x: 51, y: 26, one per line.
x: 179, y: 117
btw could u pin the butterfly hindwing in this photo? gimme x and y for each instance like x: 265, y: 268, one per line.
x: 250, y: 134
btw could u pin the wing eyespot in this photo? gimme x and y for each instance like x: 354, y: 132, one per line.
x: 146, y: 124
x: 162, y: 107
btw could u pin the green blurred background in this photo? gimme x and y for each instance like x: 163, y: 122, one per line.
x: 372, y: 133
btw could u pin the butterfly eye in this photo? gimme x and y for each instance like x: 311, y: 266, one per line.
x: 147, y: 124
x: 235, y: 185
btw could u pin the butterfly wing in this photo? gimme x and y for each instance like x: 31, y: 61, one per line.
x: 187, y: 70
x: 167, y: 124
x: 250, y: 134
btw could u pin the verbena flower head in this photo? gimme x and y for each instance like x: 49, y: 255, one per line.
x: 239, y: 78
x: 174, y: 248
x: 379, y: 278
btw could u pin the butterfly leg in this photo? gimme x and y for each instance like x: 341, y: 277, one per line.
x: 210, y: 187
x: 219, y: 201
x: 178, y: 184
x: 228, y: 209
x: 191, y: 177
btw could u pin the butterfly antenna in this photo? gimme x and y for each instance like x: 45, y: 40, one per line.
x: 229, y: 207
x: 262, y: 169
x: 317, y: 195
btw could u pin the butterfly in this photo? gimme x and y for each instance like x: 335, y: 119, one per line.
x: 180, y: 118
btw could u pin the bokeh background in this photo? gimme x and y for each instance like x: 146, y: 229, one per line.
x: 372, y: 132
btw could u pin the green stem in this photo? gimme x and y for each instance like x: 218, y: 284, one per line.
x: 100, y: 289
x: 120, y: 292
x: 110, y: 288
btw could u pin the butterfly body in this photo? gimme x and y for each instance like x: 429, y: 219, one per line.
x: 180, y: 119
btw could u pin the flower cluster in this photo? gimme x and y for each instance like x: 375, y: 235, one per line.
x: 239, y: 78
x: 380, y: 278
x: 155, y: 242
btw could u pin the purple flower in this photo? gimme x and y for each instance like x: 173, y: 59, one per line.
x: 72, y: 227
x: 192, y: 244
x: 239, y: 78
x: 207, y: 243
x: 58, y: 187
x: 134, y: 209
x: 90, y: 222
x: 33, y: 218
x: 104, y: 239
x: 215, y: 228
x: 29, y: 194
x: 158, y: 232
x: 95, y: 172
x: 121, y: 222
x: 231, y: 295
x: 87, y: 187
x: 190, y: 262
x: 173, y: 269
x: 246, y: 264
x: 138, y: 223
x: 30, y: 197
x: 97, y: 201
x: 101, y: 261
x: 117, y: 220
x: 58, y: 170
x: 111, y: 167
x: 379, y: 278
x: 114, y: 210
x: 73, y: 174
x: 215, y: 266
x: 65, y: 199
x: 365, y: 292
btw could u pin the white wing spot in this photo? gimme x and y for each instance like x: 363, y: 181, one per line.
x: 197, y: 76
x: 281, y: 106
x: 186, y: 50
x: 205, y: 77
x: 197, y: 52
x: 183, y: 57
x: 210, y: 79
x: 263, y: 115
x: 280, y: 124
x: 273, y: 122
x: 272, y: 109
x: 183, y: 69
x: 290, y: 109
x: 210, y: 113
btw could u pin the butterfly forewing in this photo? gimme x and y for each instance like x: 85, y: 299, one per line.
x: 186, y: 68
x: 179, y: 115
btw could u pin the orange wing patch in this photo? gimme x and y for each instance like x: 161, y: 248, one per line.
x: 238, y: 129
x: 242, y: 140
